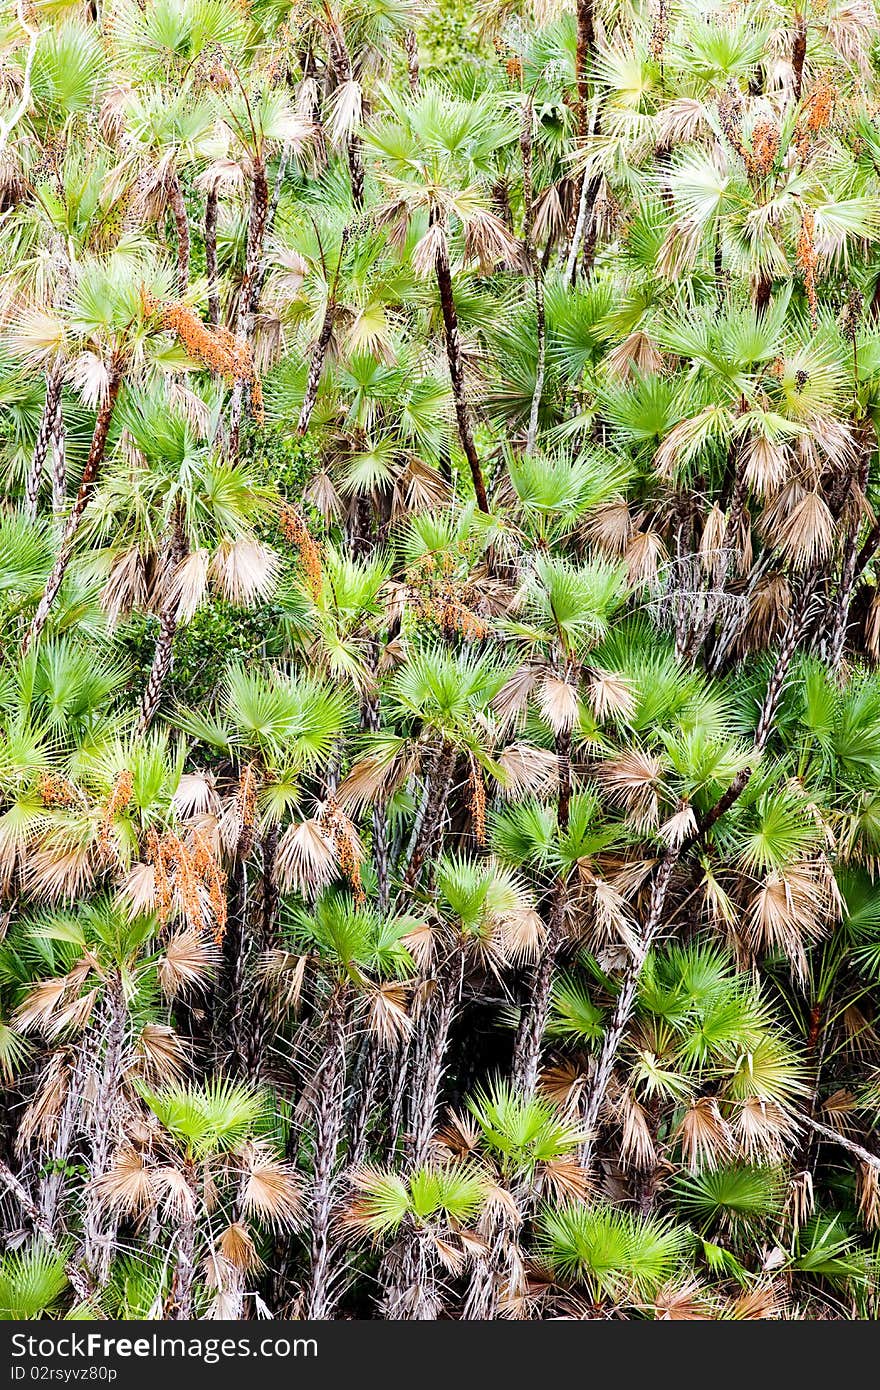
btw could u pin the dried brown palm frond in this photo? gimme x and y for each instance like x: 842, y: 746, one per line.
x: 683, y: 1302
x: 763, y: 1131
x: 284, y: 974
x: 388, y: 1018
x: 39, y: 1119
x: 787, y: 912
x: 838, y: 1110
x: 800, y: 1199
x: 63, y: 867
x: 720, y: 906
x: 173, y: 1192
x: 422, y: 943
x: 766, y: 466
x: 868, y: 1190
x: 635, y: 353
x: 238, y: 1249
x: 374, y: 777
x: 643, y: 557
x: 271, y: 1191
x: 610, y: 694
x: 806, y: 535
x: 872, y: 625
x: 243, y: 570
x: 705, y: 1136
x: 678, y: 828
x: 527, y: 770
x: 49, y: 1001
x: 610, y: 527
x: 563, y: 1180
x: 522, y: 933
x: 459, y: 1135
x: 564, y: 1083
x: 511, y: 702
x: 161, y: 1056
x: 632, y: 780
x: 637, y: 1147
x: 761, y: 1302
x: 306, y: 859
x: 768, y: 611
x: 128, y: 1188
x: 188, y: 960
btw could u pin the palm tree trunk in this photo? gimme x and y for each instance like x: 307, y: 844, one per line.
x: 45, y: 433
x: 583, y: 53
x: 409, y: 1279
x: 798, y: 55
x: 341, y: 60
x: 181, y: 224
x: 250, y: 287
x: 98, y: 1242
x: 86, y: 487
x: 52, y: 1183
x: 525, y: 144
x: 456, y: 369
x: 59, y: 461
x: 412, y: 60
x: 185, y: 1269
x: 316, y: 368
x: 211, y: 208
x: 430, y: 1070
x: 365, y: 1085
x: 530, y: 1035
x: 329, y: 1096
x: 163, y: 655
x: 436, y: 802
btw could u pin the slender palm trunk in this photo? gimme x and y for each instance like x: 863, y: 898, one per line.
x: 530, y: 1035
x: 181, y: 224
x: 98, y: 1243
x: 45, y: 434
x: 163, y: 655
x: 431, y: 1063
x: 212, y: 203
x: 59, y: 462
x: 799, y: 55
x: 456, y: 370
x: 52, y: 1184
x: 585, y: 40
x: 329, y: 1097
x: 250, y: 287
x: 87, y: 484
x: 185, y: 1269
x: 316, y: 368
x: 409, y: 1279
x: 341, y: 60
x: 365, y: 1086
x: 436, y: 802
x: 412, y: 60
x: 525, y: 144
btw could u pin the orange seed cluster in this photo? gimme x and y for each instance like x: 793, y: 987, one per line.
x: 807, y: 260
x: 294, y: 529
x: 337, y: 826
x: 187, y: 872
x: 216, y: 348
x: 117, y: 801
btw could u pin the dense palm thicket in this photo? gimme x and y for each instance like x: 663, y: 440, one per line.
x: 439, y: 702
